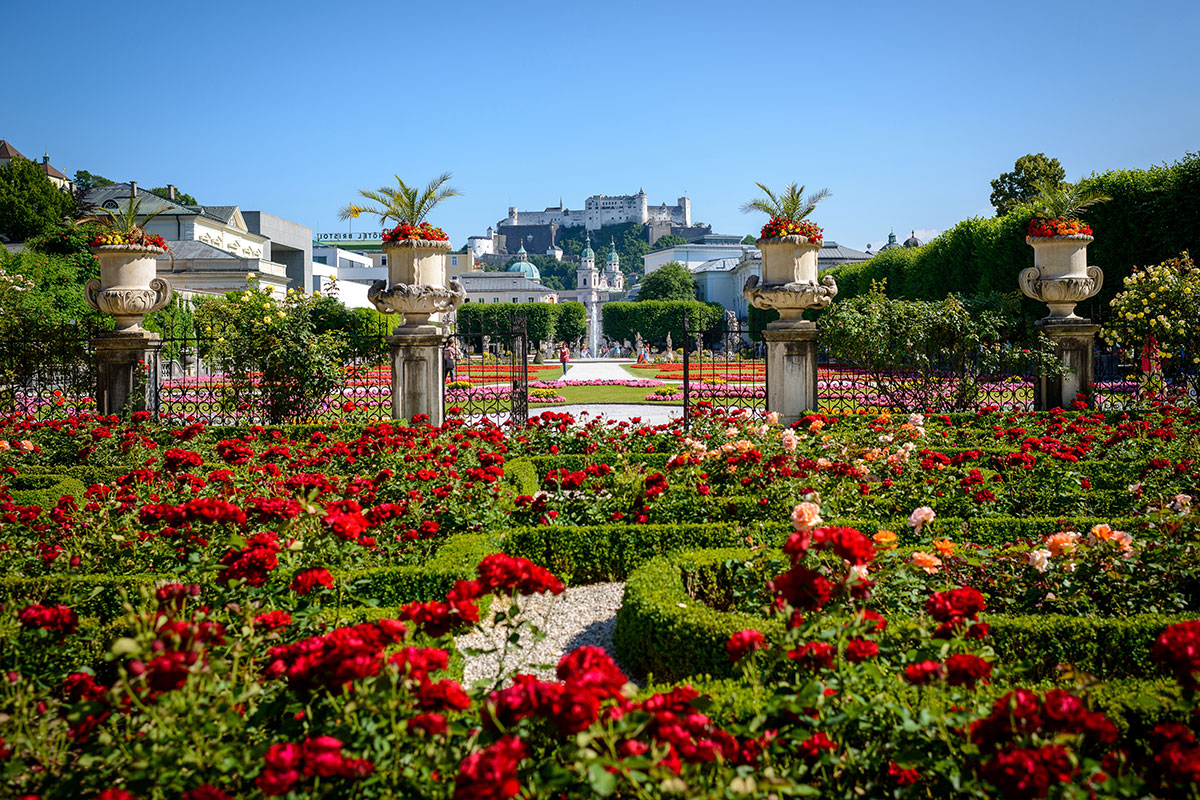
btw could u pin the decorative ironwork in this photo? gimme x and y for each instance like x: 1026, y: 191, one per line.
x: 942, y: 388
x: 724, y: 366
x: 195, y: 383
x: 487, y: 372
x: 48, y: 372
x: 1125, y: 380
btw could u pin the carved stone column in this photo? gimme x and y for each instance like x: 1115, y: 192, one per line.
x: 792, y: 370
x: 126, y: 371
x: 1074, y: 346
x: 417, y: 289
x: 789, y: 285
x: 417, y: 385
x: 1061, y: 278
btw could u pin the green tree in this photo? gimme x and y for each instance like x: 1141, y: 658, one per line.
x: 749, y: 239
x: 670, y: 240
x: 1063, y: 200
x: 29, y: 203
x: 84, y: 180
x: 1016, y: 188
x: 669, y: 282
x: 183, y: 198
x: 405, y: 204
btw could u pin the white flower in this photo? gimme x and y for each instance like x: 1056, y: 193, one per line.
x: 920, y: 516
x: 1040, y: 559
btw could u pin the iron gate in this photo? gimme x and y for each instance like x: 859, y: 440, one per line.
x: 724, y: 366
x: 487, y: 371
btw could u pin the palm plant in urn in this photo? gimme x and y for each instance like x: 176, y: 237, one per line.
x: 1060, y: 275
x: 128, y: 287
x: 416, y: 251
x: 789, y: 243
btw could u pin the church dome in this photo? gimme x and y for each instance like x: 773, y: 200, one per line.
x: 524, y: 266
x: 588, y: 252
x: 913, y: 241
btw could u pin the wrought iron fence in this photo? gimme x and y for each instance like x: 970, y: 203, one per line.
x: 48, y: 372
x: 1125, y: 380
x: 214, y: 376
x: 969, y: 385
x: 487, y: 372
x: 724, y: 366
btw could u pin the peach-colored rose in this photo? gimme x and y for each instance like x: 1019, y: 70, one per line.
x: 920, y: 516
x: 944, y: 547
x: 815, y: 426
x: 26, y: 445
x: 884, y: 540
x: 926, y: 561
x: 790, y: 440
x: 4, y: 445
x: 1061, y: 542
x: 1105, y: 533
x: 806, y: 516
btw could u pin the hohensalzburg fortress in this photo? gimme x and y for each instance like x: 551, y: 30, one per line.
x: 600, y: 210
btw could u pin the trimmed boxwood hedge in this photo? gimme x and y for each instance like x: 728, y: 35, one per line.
x: 663, y: 632
x: 44, y: 489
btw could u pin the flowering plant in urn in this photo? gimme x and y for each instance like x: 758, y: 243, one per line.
x: 789, y: 243
x: 128, y: 287
x: 416, y: 285
x: 1061, y: 276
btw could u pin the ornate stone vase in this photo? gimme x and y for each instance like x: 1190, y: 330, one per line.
x: 128, y: 287
x: 416, y: 286
x: 1060, y: 276
x: 789, y: 279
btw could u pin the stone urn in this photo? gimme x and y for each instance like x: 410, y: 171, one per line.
x: 789, y: 279
x: 1060, y: 276
x: 128, y: 287
x: 416, y: 286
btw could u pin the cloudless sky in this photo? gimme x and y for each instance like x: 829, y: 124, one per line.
x: 905, y: 111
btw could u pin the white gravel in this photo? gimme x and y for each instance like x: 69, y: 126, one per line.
x: 582, y: 615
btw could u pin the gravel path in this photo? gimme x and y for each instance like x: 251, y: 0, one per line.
x: 582, y: 615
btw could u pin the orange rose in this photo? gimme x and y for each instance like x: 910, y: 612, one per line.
x: 884, y: 540
x: 944, y: 547
x: 926, y: 561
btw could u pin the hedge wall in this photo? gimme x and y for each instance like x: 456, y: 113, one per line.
x: 653, y: 319
x: 663, y: 632
x: 1154, y: 215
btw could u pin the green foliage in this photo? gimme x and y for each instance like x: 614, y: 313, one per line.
x: 276, y: 360
x: 1013, y: 189
x: 670, y: 240
x: 950, y: 344
x: 749, y: 239
x: 85, y: 181
x: 44, y: 489
x: 1161, y: 303
x: 629, y: 239
x: 183, y: 198
x: 1058, y: 200
x: 29, y: 203
x: 669, y: 282
x: 570, y: 321
x: 653, y: 319
x: 405, y: 204
x: 1154, y: 215
x: 543, y: 321
x: 791, y: 204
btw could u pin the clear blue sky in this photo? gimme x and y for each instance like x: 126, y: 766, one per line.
x: 904, y: 110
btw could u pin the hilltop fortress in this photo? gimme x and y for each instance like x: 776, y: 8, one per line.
x: 537, y: 230
x: 600, y: 210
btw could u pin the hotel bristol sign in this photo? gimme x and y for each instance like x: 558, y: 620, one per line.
x: 365, y: 236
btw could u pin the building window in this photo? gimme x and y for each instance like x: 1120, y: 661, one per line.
x: 383, y: 261
x: 516, y: 299
x: 454, y: 261
x: 495, y: 299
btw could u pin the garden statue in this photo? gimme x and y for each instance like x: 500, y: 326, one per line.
x: 416, y: 288
x: 789, y: 244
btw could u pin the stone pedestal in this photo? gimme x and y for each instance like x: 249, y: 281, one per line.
x: 791, y: 370
x: 1074, y: 343
x: 417, y: 383
x: 126, y: 371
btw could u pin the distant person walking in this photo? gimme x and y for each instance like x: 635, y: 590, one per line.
x: 564, y: 356
x: 449, y: 361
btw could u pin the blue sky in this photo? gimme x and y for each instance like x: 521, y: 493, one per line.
x: 905, y: 111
